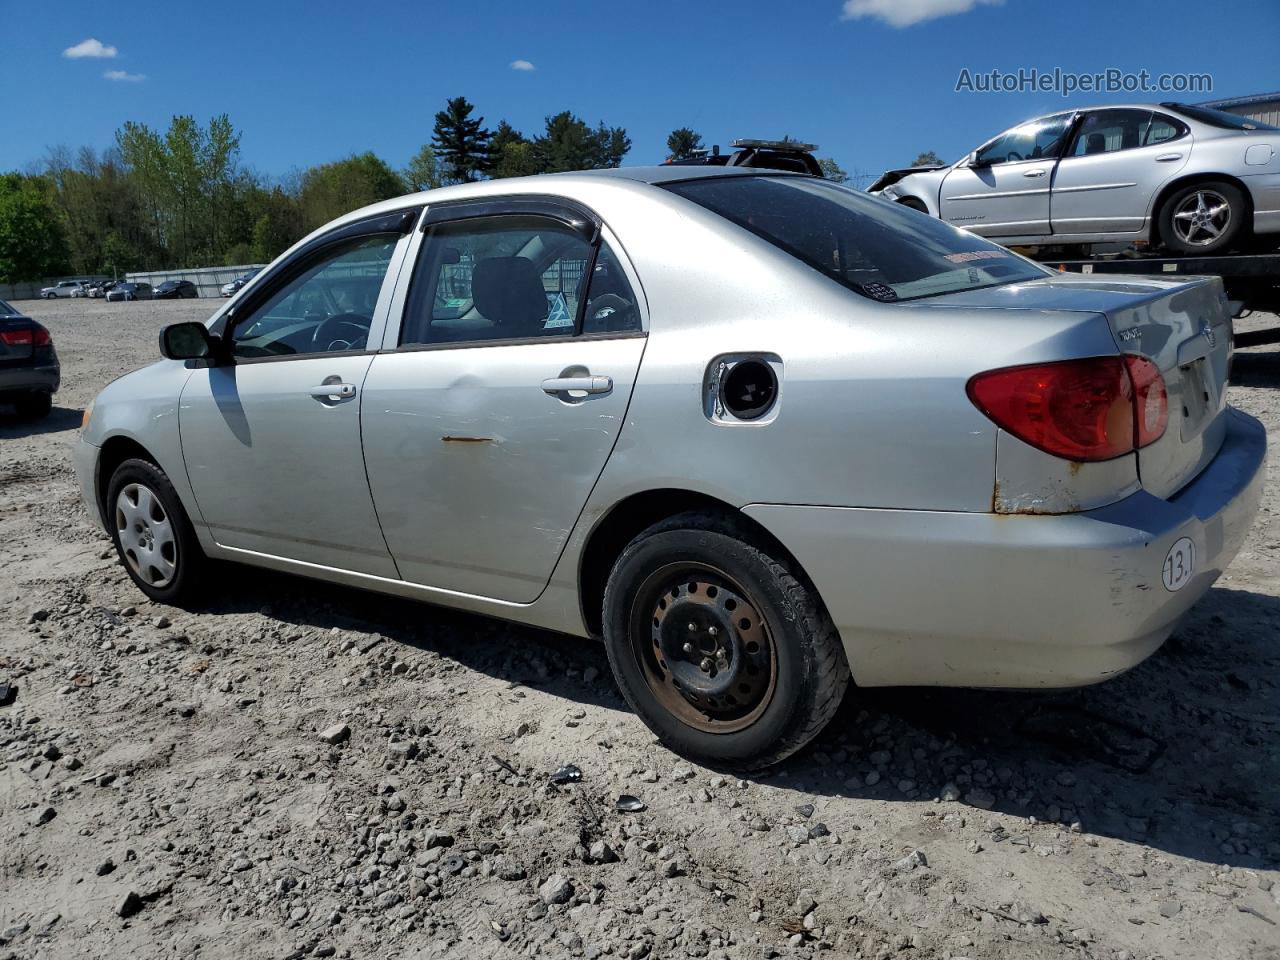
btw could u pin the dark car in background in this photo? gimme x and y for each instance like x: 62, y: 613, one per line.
x: 175, y: 289
x: 29, y: 371
x: 99, y: 289
x: 129, y: 291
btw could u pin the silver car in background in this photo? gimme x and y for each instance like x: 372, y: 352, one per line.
x: 1191, y: 179
x: 63, y: 288
x: 762, y: 433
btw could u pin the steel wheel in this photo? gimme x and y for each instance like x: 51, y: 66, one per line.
x: 1201, y: 218
x: 703, y: 649
x: 147, y: 538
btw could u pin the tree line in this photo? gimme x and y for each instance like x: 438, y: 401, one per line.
x: 183, y: 197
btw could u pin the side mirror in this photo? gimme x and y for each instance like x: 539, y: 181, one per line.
x: 977, y: 163
x: 187, y: 341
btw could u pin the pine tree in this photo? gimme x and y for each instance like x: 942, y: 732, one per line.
x: 683, y: 143
x: 462, y: 143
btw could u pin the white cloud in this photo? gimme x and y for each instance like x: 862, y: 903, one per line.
x: 524, y: 65
x: 90, y: 48
x: 123, y: 77
x: 905, y: 13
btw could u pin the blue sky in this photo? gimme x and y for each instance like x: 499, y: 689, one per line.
x: 308, y: 82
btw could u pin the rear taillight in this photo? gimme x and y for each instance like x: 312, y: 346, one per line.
x: 1092, y: 409
x: 1150, y: 400
x: 32, y: 336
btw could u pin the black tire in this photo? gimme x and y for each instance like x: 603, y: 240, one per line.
x: 1181, y: 231
x: 809, y: 670
x: 187, y: 558
x: 34, y: 405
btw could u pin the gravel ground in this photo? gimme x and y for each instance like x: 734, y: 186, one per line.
x: 300, y: 770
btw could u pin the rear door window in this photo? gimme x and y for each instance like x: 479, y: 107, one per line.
x: 502, y: 278
x: 878, y: 249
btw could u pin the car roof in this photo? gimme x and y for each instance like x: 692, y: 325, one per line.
x: 561, y: 184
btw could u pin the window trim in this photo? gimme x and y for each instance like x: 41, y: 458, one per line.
x: 578, y: 218
x: 277, y: 274
x: 459, y: 210
x: 400, y: 222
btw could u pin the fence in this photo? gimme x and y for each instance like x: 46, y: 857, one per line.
x: 208, y: 280
x: 30, y: 289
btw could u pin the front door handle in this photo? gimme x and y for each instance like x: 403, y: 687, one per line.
x: 1033, y: 173
x: 584, y: 384
x: 333, y: 391
x: 1166, y: 157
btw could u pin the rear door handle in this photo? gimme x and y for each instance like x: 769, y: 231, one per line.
x: 585, y: 384
x: 1166, y: 157
x: 1034, y: 173
x: 332, y: 391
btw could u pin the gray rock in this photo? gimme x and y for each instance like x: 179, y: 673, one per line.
x: 601, y: 852
x: 386, y: 901
x: 336, y: 734
x: 872, y: 778
x: 436, y: 838
x: 915, y: 858
x: 798, y: 834
x: 241, y: 865
x: 128, y: 905
x: 982, y: 799
x: 45, y: 815
x: 950, y: 793
x: 1170, y: 908
x: 556, y: 889
x: 505, y: 868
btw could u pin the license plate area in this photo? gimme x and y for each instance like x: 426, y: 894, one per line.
x: 1197, y: 398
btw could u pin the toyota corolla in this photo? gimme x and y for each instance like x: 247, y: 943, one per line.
x: 762, y: 433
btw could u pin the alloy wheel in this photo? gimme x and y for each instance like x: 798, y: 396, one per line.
x: 1201, y: 218
x: 147, y: 537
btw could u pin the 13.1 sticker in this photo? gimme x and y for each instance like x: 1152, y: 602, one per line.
x: 1179, y: 564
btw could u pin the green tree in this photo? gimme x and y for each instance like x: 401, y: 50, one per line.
x: 461, y: 141
x: 569, y: 144
x: 926, y: 159
x: 832, y: 170
x: 423, y: 172
x: 332, y: 189
x: 277, y: 223
x: 32, y: 245
x: 683, y: 143
x: 516, y: 160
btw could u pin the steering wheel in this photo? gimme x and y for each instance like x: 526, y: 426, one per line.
x: 342, y: 331
x: 611, y: 311
x: 1014, y: 155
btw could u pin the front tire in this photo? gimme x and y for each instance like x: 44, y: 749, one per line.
x: 721, y: 648
x: 1203, y: 218
x: 152, y: 533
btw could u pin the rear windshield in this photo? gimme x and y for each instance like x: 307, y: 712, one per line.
x: 6, y: 310
x: 872, y: 246
x: 1220, y: 118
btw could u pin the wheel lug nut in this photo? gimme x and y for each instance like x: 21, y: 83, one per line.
x: 713, y: 631
x: 706, y: 665
x: 693, y: 628
x: 688, y: 648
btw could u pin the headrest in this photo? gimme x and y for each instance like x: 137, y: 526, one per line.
x: 509, y: 292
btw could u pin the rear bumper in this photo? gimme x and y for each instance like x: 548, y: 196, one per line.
x: 979, y: 599
x: 24, y: 379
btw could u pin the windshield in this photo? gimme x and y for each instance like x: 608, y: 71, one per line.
x: 874, y: 247
x: 1220, y: 118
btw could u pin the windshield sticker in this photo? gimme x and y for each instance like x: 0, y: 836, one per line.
x: 557, y: 312
x: 977, y: 255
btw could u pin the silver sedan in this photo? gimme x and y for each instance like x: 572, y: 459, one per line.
x: 762, y: 433
x: 1192, y: 179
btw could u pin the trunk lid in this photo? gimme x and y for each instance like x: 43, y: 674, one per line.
x: 17, y: 336
x: 1182, y: 326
